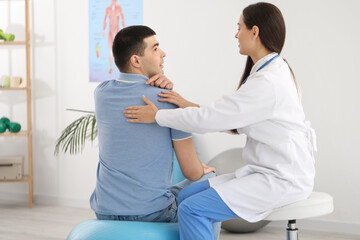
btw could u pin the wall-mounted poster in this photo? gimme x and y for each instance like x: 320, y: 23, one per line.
x: 106, y: 18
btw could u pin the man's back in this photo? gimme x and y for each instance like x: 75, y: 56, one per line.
x: 135, y: 160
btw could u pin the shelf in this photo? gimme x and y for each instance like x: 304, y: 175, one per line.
x: 24, y: 179
x: 11, y: 89
x: 28, y: 132
x: 13, y: 43
x: 10, y: 134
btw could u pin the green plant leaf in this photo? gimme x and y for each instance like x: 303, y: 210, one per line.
x: 73, y: 137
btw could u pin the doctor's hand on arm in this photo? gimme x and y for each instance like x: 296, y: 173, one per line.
x: 175, y: 98
x: 142, y: 114
x: 161, y: 81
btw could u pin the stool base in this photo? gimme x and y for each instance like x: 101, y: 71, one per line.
x: 292, y: 231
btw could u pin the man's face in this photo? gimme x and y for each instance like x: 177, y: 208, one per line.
x: 153, y: 59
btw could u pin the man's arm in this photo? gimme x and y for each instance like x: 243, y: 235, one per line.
x: 189, y: 163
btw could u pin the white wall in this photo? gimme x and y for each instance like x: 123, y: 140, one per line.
x: 203, y: 61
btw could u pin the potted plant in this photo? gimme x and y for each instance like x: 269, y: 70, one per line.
x: 73, y: 137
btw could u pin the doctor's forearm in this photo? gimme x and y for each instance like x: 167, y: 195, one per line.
x: 187, y: 120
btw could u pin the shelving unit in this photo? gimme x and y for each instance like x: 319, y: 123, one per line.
x: 28, y: 133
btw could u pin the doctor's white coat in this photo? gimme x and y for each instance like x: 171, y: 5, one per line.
x: 279, y: 147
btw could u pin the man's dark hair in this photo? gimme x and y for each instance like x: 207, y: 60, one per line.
x: 130, y: 41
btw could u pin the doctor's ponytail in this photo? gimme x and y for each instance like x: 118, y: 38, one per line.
x: 295, y: 82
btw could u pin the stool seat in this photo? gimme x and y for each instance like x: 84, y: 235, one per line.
x: 317, y: 204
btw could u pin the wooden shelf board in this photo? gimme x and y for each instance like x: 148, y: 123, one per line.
x: 24, y: 179
x: 11, y: 89
x: 10, y: 134
x: 13, y: 43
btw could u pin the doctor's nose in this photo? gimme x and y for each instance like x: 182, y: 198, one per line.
x: 164, y: 54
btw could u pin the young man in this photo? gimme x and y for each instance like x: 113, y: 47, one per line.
x: 135, y: 160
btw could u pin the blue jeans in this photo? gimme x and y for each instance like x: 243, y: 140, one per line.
x: 168, y: 214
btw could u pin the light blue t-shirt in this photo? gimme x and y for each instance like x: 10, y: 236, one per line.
x: 135, y: 160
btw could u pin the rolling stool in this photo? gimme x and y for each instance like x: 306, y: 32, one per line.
x: 317, y: 204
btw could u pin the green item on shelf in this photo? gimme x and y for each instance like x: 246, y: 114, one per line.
x: 5, y: 120
x: 8, y: 37
x: 6, y: 82
x: 3, y: 127
x: 14, y: 127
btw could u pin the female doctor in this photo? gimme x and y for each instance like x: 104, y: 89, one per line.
x: 267, y: 108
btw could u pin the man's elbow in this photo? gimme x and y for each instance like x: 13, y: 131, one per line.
x: 193, y: 176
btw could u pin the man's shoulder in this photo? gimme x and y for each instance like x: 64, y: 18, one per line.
x: 151, y: 93
x: 103, y: 86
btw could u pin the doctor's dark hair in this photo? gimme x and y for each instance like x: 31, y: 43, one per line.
x: 272, y: 31
x: 130, y: 41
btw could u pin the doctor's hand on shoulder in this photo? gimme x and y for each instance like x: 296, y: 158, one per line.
x: 175, y: 98
x: 142, y: 114
x: 146, y: 114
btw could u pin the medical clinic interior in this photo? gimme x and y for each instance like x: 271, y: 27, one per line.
x: 181, y: 119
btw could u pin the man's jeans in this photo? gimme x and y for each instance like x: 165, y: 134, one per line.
x: 168, y: 214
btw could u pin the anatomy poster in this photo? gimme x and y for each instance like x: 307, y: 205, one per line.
x: 106, y: 18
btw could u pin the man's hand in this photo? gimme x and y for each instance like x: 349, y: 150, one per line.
x: 142, y: 114
x: 161, y: 81
x: 175, y: 98
x: 208, y: 169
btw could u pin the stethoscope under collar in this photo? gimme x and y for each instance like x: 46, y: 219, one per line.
x: 262, y: 66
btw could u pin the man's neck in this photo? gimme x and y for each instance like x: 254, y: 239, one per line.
x: 135, y: 71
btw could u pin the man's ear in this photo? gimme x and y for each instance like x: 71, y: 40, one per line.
x: 135, y: 61
x: 255, y: 31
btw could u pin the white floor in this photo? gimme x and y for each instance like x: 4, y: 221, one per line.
x: 42, y: 222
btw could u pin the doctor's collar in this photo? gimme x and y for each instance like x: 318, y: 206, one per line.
x: 263, y: 60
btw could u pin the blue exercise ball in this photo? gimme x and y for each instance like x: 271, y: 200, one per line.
x: 123, y: 230
x: 177, y: 175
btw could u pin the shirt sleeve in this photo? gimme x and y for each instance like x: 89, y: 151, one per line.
x: 253, y: 102
x: 177, y: 135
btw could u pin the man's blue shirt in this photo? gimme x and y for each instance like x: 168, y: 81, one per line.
x: 135, y: 160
